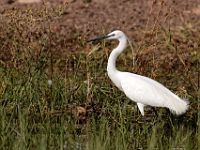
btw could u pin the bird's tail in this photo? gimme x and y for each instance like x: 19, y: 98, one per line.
x: 179, y: 106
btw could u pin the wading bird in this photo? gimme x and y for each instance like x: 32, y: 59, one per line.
x: 140, y: 89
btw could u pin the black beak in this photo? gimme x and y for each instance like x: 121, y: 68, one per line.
x: 100, y: 38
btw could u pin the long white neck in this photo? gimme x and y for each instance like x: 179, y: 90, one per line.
x: 111, y: 66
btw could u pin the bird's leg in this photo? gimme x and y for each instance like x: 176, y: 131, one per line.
x: 141, y: 108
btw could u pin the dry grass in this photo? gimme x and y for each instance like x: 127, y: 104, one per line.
x: 82, y: 110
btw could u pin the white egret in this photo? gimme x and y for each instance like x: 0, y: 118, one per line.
x: 140, y: 89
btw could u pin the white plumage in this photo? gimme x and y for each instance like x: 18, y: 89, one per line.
x: 142, y: 90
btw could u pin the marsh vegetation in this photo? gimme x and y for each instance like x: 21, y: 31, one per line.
x: 82, y: 109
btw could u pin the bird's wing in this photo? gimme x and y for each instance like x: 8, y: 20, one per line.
x: 149, y: 92
x: 144, y: 90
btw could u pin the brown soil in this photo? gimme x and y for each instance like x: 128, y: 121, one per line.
x: 92, y: 17
x: 79, y: 20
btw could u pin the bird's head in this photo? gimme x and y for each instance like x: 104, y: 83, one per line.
x: 117, y: 34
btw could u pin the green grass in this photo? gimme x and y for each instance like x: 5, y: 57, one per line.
x: 37, y: 116
x: 82, y: 109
